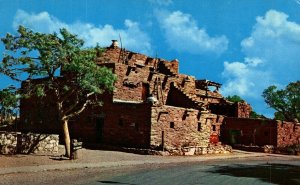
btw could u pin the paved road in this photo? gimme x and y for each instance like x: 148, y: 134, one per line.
x: 271, y: 171
x: 254, y: 170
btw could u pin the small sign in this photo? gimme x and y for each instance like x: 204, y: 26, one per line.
x: 214, y: 138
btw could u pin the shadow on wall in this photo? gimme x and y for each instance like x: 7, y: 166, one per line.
x: 29, y: 144
x: 271, y: 173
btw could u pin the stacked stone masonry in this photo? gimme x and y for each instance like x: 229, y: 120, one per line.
x: 16, y: 142
x: 260, y: 132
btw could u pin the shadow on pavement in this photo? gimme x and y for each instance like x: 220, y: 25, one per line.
x: 113, y: 182
x: 271, y: 173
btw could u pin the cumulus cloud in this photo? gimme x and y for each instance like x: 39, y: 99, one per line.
x: 272, y: 57
x: 161, y: 2
x: 183, y: 34
x: 245, y: 78
x: 133, y: 37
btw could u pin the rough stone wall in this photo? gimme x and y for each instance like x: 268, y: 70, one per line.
x: 16, y: 142
x: 175, y: 127
x: 243, y: 110
x: 8, y: 142
x: 134, y: 70
x: 239, y: 109
x: 288, y: 133
x: 117, y: 122
x: 249, y: 131
x: 38, y: 143
x: 127, y: 124
x: 129, y: 82
x: 260, y: 132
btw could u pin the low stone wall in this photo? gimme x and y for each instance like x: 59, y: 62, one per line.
x: 16, y: 142
x: 8, y: 142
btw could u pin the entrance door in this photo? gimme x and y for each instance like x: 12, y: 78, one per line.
x: 99, y: 129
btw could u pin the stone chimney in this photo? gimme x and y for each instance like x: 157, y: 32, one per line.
x: 114, y: 44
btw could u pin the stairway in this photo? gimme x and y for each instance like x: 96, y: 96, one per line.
x: 163, y: 68
x: 194, y: 99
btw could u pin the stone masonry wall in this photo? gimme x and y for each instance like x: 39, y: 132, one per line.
x: 8, y: 142
x: 288, y: 133
x: 175, y: 127
x: 249, y: 131
x: 16, y: 142
x: 260, y: 132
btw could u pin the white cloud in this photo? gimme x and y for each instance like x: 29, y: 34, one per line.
x: 183, y: 34
x: 272, y: 54
x: 133, y: 37
x: 161, y: 2
x: 245, y: 78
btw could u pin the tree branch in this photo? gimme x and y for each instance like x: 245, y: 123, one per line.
x: 83, y: 107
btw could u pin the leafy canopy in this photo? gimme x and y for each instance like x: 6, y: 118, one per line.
x: 285, y: 101
x: 32, y: 55
x: 8, y: 103
x: 234, y: 98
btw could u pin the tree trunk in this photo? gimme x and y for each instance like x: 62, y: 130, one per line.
x: 67, y: 138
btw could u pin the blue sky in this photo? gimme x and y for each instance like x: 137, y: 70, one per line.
x: 245, y: 45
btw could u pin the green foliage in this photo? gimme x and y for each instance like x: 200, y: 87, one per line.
x: 56, y: 65
x: 234, y: 98
x: 8, y: 104
x: 39, y: 60
x: 279, y: 116
x: 255, y: 115
x: 32, y: 55
x: 285, y: 101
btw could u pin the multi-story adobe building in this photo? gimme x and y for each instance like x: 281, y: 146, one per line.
x: 152, y: 106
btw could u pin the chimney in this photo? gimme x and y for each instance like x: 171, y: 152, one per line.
x: 114, y: 44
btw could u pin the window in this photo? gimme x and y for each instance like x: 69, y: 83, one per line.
x: 121, y: 122
x: 199, y: 126
x: 137, y: 127
x: 172, y: 125
x: 214, y: 127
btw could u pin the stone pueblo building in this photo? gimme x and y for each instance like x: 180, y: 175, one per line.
x: 152, y: 106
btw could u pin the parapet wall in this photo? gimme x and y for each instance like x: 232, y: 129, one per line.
x: 16, y: 142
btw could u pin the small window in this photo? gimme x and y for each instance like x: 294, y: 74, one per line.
x: 172, y: 125
x: 137, y: 127
x: 121, y: 122
x: 199, y: 127
x: 214, y: 127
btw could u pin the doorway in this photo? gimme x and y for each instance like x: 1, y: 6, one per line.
x: 99, y: 129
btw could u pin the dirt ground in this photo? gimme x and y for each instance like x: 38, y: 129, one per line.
x: 105, y: 159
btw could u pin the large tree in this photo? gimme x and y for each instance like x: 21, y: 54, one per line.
x: 66, y: 71
x: 285, y: 101
x: 8, y: 105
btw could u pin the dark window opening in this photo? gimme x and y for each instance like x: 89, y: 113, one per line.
x: 137, y: 127
x: 145, y: 91
x: 121, y: 122
x: 199, y: 127
x: 214, y: 127
x: 172, y: 125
